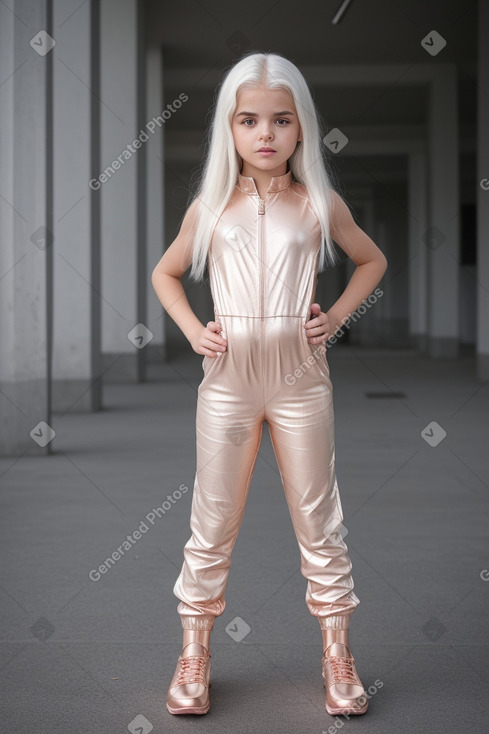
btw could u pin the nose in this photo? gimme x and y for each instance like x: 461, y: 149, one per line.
x: 266, y: 134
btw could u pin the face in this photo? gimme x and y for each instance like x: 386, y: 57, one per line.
x: 265, y: 118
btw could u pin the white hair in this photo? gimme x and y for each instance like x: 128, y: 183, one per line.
x: 223, y: 163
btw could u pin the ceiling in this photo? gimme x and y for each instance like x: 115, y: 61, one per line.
x: 205, y: 32
x: 203, y: 38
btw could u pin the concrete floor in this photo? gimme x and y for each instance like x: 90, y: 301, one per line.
x: 82, y: 655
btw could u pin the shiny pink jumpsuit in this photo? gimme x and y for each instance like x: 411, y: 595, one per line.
x: 263, y: 273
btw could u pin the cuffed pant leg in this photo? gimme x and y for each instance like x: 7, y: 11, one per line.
x: 303, y: 443
x: 335, y: 620
x: 227, y: 448
x: 197, y: 622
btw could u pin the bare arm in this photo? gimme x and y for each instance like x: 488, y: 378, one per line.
x: 166, y: 281
x: 371, y: 265
x: 370, y: 261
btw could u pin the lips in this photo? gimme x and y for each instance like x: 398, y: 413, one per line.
x: 266, y: 150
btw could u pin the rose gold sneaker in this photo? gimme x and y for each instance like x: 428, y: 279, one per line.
x: 344, y: 690
x: 189, y: 687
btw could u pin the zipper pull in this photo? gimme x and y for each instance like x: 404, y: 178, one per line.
x: 261, y: 206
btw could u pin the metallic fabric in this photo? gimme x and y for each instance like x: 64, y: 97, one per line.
x: 263, y: 275
x: 335, y: 622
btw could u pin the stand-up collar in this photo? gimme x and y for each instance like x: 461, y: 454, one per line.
x: 277, y: 183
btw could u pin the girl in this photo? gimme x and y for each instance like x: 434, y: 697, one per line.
x: 264, y: 220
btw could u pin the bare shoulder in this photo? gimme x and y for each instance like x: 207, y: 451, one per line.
x: 178, y: 256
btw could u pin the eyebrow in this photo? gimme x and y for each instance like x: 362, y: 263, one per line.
x: 254, y: 114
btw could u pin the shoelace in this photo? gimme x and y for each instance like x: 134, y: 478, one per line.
x: 342, y: 669
x: 192, y: 670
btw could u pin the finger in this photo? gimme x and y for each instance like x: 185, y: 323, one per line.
x: 318, y: 339
x: 217, y: 345
x: 317, y: 331
x: 313, y: 323
x: 219, y: 342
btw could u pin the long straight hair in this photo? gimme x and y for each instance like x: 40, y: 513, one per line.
x: 223, y: 163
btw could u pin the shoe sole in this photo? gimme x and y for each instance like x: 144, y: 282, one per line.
x: 350, y: 711
x: 190, y: 710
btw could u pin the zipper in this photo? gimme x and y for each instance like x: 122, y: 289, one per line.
x: 261, y: 210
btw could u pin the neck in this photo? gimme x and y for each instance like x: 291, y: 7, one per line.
x: 261, y: 178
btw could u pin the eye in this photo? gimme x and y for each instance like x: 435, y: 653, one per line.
x: 279, y: 119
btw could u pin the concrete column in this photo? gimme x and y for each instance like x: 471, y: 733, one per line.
x: 482, y: 280
x: 155, y: 199
x: 76, y: 307
x: 25, y: 227
x: 418, y: 255
x: 442, y: 237
x: 122, y: 188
